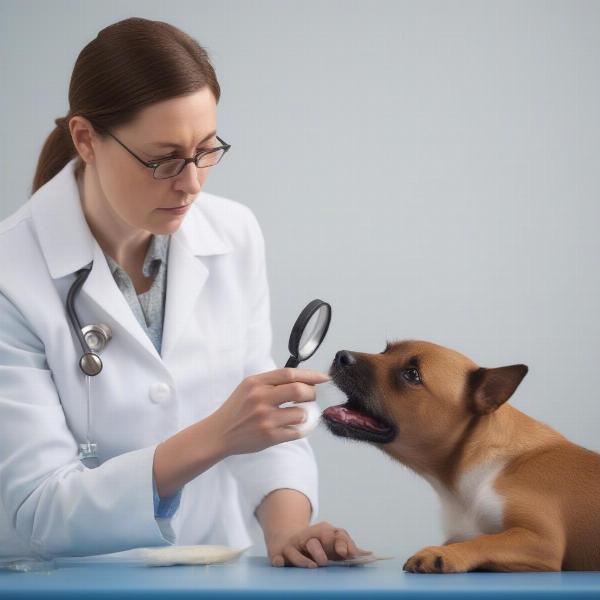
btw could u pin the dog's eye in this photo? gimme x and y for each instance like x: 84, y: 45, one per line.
x: 411, y: 375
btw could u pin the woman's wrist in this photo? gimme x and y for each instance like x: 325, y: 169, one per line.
x: 185, y: 455
x: 282, y: 513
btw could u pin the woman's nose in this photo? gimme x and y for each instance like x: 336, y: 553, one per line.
x: 190, y: 180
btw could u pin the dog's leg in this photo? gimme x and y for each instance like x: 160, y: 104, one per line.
x: 452, y: 540
x: 516, y: 549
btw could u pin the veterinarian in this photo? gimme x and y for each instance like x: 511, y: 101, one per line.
x: 139, y: 402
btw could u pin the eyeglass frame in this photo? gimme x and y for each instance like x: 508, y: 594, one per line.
x: 154, y: 164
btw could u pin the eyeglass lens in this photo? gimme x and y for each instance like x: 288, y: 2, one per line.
x: 170, y: 168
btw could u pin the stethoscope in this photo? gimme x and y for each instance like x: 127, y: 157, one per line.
x: 92, y: 339
x: 308, y: 332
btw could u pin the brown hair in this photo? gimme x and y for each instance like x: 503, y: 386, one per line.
x: 129, y: 65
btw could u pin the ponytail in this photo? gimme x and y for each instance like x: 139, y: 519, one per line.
x: 58, y: 150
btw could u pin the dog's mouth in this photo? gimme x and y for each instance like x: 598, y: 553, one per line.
x: 346, y: 421
x: 354, y: 420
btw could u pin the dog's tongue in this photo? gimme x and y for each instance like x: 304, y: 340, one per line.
x: 342, y: 414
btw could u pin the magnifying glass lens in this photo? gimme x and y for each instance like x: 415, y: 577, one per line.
x: 313, y: 333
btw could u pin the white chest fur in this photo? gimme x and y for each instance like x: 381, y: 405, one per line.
x: 475, y: 507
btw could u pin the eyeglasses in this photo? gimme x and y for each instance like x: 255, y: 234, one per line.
x: 171, y: 167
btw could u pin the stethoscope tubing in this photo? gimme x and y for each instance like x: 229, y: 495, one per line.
x: 73, y: 291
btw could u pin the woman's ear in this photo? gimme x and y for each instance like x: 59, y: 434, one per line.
x: 83, y: 136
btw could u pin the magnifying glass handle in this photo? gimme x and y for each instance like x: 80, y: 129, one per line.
x: 292, y: 362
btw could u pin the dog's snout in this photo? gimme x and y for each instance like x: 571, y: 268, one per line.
x: 344, y: 358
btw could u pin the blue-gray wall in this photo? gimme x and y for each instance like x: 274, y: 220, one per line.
x: 429, y: 168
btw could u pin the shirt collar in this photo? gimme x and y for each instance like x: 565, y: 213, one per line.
x: 155, y: 256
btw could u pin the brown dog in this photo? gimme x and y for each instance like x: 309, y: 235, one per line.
x: 516, y: 495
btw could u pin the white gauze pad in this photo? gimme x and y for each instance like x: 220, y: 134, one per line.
x: 188, y: 555
x: 313, y: 416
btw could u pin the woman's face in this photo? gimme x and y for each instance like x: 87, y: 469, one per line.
x: 176, y: 127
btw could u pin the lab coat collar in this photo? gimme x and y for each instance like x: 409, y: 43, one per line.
x: 66, y: 239
x: 68, y: 245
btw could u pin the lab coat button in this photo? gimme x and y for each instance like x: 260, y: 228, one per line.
x: 159, y: 392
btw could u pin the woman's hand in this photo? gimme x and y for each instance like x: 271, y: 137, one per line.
x: 312, y: 547
x: 251, y: 419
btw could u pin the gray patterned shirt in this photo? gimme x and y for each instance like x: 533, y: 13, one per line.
x: 149, y: 307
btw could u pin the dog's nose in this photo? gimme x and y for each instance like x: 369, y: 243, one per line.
x: 343, y: 359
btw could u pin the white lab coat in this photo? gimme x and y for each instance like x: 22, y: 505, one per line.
x: 216, y: 332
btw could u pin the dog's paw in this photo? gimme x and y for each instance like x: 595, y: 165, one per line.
x: 435, y: 559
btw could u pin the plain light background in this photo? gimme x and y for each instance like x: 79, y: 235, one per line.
x: 430, y: 168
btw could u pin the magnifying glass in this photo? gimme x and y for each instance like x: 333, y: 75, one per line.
x: 308, y: 331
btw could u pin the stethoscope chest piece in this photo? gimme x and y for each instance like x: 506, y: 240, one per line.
x: 90, y: 363
x: 97, y: 336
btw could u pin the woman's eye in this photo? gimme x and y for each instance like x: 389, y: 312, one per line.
x: 174, y: 155
x: 161, y: 158
x: 411, y: 375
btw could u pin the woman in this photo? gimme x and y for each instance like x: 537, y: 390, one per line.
x: 180, y: 439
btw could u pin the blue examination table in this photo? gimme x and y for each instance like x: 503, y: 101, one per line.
x: 253, y: 577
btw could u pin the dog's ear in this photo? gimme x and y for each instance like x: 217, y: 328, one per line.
x: 491, y: 388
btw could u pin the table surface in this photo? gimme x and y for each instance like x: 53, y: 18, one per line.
x: 253, y: 577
